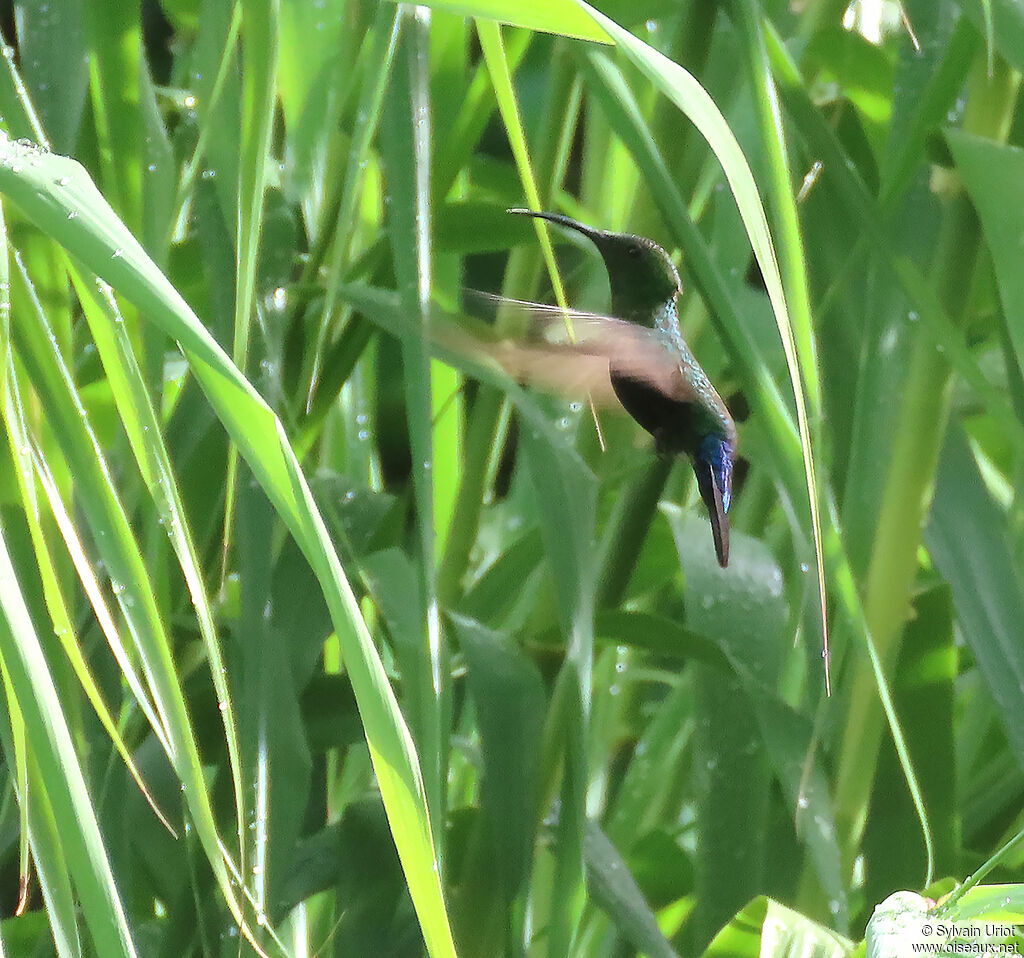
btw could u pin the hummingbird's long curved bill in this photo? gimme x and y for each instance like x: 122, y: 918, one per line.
x: 559, y: 220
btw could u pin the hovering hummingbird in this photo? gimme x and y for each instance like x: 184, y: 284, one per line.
x: 654, y: 375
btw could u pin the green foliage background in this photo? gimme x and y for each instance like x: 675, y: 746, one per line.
x: 317, y: 638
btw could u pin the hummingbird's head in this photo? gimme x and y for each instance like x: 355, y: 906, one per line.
x: 641, y: 276
x: 712, y: 463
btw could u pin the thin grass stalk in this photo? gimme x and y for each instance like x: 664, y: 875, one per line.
x: 414, y: 268
x: 482, y: 429
x: 259, y: 85
x: 747, y: 15
x: 627, y: 530
x: 344, y: 205
x: 115, y: 64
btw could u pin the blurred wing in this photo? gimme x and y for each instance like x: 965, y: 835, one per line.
x: 559, y: 369
x: 571, y: 351
x: 556, y: 369
x: 533, y: 317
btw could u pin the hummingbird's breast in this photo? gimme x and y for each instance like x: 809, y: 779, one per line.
x: 680, y: 413
x: 670, y: 421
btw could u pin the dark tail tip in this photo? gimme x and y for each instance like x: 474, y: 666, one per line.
x: 712, y: 497
x: 720, y: 530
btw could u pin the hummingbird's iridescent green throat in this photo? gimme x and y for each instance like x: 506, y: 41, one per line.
x: 664, y: 389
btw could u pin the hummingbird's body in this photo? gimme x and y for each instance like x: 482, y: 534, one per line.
x: 655, y: 376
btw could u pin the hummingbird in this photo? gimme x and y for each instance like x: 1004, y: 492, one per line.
x: 653, y: 373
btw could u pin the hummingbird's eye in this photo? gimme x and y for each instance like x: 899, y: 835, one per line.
x: 633, y: 252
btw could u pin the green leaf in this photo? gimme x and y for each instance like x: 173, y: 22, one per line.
x: 966, y: 537
x: 55, y: 65
x: 509, y: 702
x: 552, y: 16
x: 766, y: 929
x: 991, y: 903
x: 993, y: 174
x: 616, y: 892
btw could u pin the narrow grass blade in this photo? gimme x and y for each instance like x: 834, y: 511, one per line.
x: 787, y: 239
x: 996, y: 903
x: 38, y: 827
x: 114, y: 32
x: 53, y: 749
x: 259, y: 99
x: 211, y: 111
x: 382, y: 45
x: 494, y: 53
x: 68, y: 639
x: 407, y: 139
x: 90, y: 583
x: 966, y: 536
x: 259, y: 81
x: 41, y: 836
x: 145, y: 436
x: 508, y: 696
x: 616, y: 892
x: 55, y: 65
